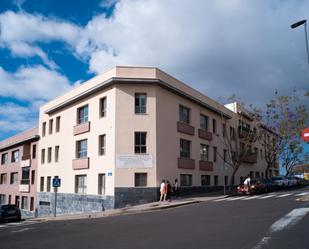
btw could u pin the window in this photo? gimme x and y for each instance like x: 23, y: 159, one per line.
x: 34, y: 151
x: 24, y: 202
x: 224, y: 155
x: 140, y: 102
x: 57, y: 153
x: 17, y: 200
x: 184, y: 148
x: 232, y: 132
x: 216, y: 180
x: 4, y: 158
x: 204, y: 152
x: 203, y: 122
x: 49, y: 155
x: 185, y: 180
x: 3, y: 178
x: 14, y: 178
x: 58, y: 124
x: 48, y: 183
x: 140, y: 142
x: 32, y: 176
x: 140, y: 180
x: 82, y: 114
x: 225, y: 180
x: 261, y: 153
x: 101, y: 184
x: 10, y: 197
x: 81, y: 149
x: 25, y: 175
x: 214, y: 126
x: 205, y: 180
x: 224, y: 130
x: 43, y: 129
x: 42, y: 184
x: 184, y: 114
x: 103, y: 106
x: 15, y: 156
x: 215, y: 154
x: 2, y: 199
x: 31, y: 203
x: 80, y: 184
x: 102, y: 141
x: 43, y: 156
x: 50, y: 127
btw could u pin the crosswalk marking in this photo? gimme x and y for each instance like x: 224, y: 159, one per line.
x: 267, y: 196
x: 301, y: 194
x: 261, y: 197
x: 17, y: 224
x: 284, y: 195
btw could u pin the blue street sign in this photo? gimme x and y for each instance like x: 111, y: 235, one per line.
x: 56, y: 182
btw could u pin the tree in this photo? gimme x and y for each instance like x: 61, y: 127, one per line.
x: 285, y: 116
x: 239, y: 141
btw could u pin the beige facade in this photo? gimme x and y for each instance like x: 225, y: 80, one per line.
x: 18, y: 171
x: 142, y: 141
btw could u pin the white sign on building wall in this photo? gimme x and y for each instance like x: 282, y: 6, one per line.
x: 134, y: 161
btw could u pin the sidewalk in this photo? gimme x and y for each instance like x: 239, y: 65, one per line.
x: 186, y: 200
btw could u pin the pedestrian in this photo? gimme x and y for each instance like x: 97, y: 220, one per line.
x: 176, y: 188
x: 247, y: 184
x: 162, y: 191
x: 168, y: 190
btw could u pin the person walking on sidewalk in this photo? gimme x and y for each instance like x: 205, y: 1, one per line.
x: 162, y: 191
x: 176, y: 188
x: 168, y: 190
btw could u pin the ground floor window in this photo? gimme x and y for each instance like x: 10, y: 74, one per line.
x: 140, y: 180
x: 205, y: 180
x: 42, y: 184
x: 24, y: 202
x: 48, y: 183
x: 226, y: 180
x: 185, y: 180
x: 81, y: 184
x: 2, y: 199
x: 101, y: 184
x: 216, y: 183
x: 31, y: 203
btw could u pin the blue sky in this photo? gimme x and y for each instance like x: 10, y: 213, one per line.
x: 221, y: 48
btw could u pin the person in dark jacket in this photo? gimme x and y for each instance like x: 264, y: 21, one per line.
x: 168, y: 188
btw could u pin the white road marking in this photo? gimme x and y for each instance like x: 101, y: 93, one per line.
x: 21, y: 230
x: 290, y: 219
x: 236, y: 198
x: 284, y: 195
x: 267, y: 196
x: 250, y: 198
x: 224, y: 199
x: 301, y: 194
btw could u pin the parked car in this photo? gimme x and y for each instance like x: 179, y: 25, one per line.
x: 270, y: 185
x: 292, y: 181
x: 9, y: 212
x: 257, y: 186
x: 280, y: 181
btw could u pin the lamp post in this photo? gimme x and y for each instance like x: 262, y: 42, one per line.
x: 297, y: 24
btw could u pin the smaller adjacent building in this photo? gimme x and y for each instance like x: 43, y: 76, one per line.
x: 18, y: 165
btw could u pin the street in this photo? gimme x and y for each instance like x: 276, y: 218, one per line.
x: 274, y: 220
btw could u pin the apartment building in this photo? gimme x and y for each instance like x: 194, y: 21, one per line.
x: 112, y: 140
x: 18, y: 169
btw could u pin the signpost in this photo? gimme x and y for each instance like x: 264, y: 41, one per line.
x: 56, y: 185
x: 305, y: 135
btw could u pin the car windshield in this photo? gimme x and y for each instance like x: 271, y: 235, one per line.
x: 8, y: 207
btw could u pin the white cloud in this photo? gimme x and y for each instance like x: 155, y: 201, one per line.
x: 32, y: 84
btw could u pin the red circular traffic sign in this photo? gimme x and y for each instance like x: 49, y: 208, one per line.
x: 305, y: 134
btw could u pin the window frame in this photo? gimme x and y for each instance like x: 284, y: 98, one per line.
x: 103, y: 107
x: 206, y: 121
x: 184, y: 178
x: 83, y: 187
x: 82, y: 114
x: 15, y: 159
x: 81, y: 149
x: 139, y: 106
x: 102, y: 145
x: 4, y: 158
x: 184, y: 114
x: 139, y: 146
x: 204, y: 156
x: 185, y: 151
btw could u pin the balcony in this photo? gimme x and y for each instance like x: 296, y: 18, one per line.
x: 24, y: 186
x: 243, y: 131
x: 185, y: 128
x: 80, y: 163
x: 250, y: 158
x: 186, y: 163
x: 26, y: 157
x: 81, y: 128
x: 25, y: 163
x: 206, y: 165
x: 205, y: 134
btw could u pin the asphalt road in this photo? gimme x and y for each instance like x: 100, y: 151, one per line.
x: 232, y: 223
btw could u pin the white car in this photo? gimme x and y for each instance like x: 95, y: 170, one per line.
x: 292, y: 181
x: 281, y: 181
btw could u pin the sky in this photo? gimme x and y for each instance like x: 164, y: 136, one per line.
x: 221, y: 48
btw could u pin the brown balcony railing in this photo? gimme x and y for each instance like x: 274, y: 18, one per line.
x: 185, y: 128
x: 206, y: 165
x: 205, y: 134
x: 26, y: 157
x: 186, y: 163
x: 81, y: 128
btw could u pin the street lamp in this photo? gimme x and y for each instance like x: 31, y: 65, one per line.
x: 297, y: 24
